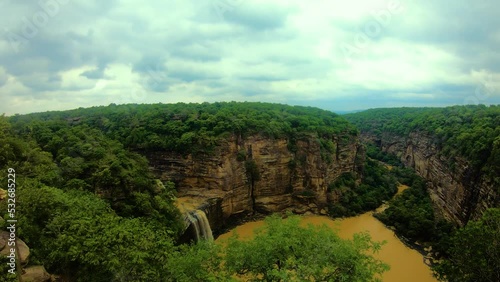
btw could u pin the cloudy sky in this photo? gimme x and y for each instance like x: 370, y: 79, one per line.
x: 64, y: 54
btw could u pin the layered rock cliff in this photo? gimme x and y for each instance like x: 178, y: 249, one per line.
x: 459, y: 192
x: 287, y: 175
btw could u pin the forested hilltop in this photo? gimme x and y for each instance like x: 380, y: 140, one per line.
x: 187, y: 128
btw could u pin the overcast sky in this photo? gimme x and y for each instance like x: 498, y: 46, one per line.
x: 64, y: 54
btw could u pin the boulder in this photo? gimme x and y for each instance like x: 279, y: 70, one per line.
x: 35, y: 274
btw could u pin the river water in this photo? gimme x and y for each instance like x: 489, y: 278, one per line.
x: 407, y: 265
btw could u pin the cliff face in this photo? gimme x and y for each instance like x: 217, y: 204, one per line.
x: 458, y: 192
x: 280, y: 179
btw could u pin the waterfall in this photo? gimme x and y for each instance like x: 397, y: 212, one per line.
x: 201, y: 225
x: 194, y: 223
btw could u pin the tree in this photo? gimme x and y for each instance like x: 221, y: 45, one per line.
x: 197, y: 263
x: 283, y: 250
x: 84, y: 239
x: 474, y: 254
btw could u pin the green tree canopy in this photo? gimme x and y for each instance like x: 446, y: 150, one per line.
x: 474, y: 255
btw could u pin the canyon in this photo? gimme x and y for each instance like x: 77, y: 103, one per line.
x: 458, y: 192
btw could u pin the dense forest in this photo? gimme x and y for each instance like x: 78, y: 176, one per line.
x: 186, y: 128
x: 377, y: 186
x: 91, y: 210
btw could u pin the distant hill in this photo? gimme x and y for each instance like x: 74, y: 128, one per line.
x: 348, y: 112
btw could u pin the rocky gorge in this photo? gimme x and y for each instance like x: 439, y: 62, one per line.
x: 458, y: 191
x: 297, y: 180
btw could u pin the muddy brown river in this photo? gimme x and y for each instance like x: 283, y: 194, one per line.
x: 406, y: 264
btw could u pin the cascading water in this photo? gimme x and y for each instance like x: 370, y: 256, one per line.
x: 201, y: 225
x: 194, y: 222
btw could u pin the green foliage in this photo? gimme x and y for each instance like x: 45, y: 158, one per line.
x: 252, y: 170
x: 374, y: 152
x: 25, y: 156
x: 241, y: 156
x: 82, y: 158
x: 283, y: 250
x: 411, y: 212
x: 77, y: 234
x: 474, y: 254
x: 376, y: 186
x: 200, y: 262
x: 88, y: 208
x: 347, y: 179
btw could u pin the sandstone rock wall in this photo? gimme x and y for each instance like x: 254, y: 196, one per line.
x: 283, y: 174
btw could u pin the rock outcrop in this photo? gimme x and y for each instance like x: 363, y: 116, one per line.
x: 259, y: 174
x: 459, y: 192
